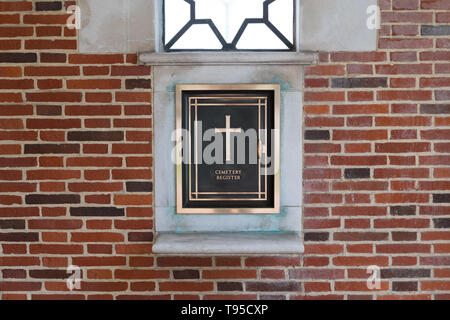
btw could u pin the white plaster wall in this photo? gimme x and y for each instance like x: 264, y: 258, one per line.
x: 122, y: 26
x: 129, y: 25
x: 336, y: 25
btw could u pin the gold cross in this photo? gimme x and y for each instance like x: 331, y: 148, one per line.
x: 228, y: 132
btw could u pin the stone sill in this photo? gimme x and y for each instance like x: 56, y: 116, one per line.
x: 229, y: 243
x: 227, y: 58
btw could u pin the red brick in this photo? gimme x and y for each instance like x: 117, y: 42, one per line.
x: 179, y: 261
x: 95, y: 187
x: 11, y: 97
x: 99, y: 224
x: 403, y: 248
x: 10, y: 149
x: 405, y: 4
x: 10, y: 44
x: 317, y: 286
x: 133, y: 249
x: 130, y: 70
x: 358, y: 286
x: 53, y: 123
x: 321, y: 223
x: 56, y: 249
x: 359, y: 69
x: 443, y: 17
x: 405, y: 56
x: 51, y: 44
x: 401, y: 223
x: 360, y: 109
x: 362, y: 121
x: 402, y: 82
x: 433, y: 236
x: 49, y: 84
x: 402, y: 147
x: 11, y: 124
x: 10, y: 72
x: 48, y: 31
x: 98, y: 97
x: 418, y: 121
x: 402, y: 198
x: 96, y: 237
x: 357, y: 224
x: 361, y: 261
x: 358, y: 56
x: 229, y: 274
x: 10, y: 19
x: 443, y: 43
x: 95, y: 58
x: 316, y: 83
x: 94, y: 162
x: 402, y: 16
x: 322, y: 198
x: 321, y: 70
x: 386, y: 43
x: 16, y: 6
x: 53, y: 174
x: 359, y: 134
x: 405, y: 30
x: 357, y: 147
x: 132, y: 199
x: 360, y: 185
x: 360, y: 96
x: 96, y: 71
x: 434, y: 82
x: 435, y: 134
x: 228, y: 261
x: 359, y: 160
x: 358, y: 211
x: 310, y: 186
x: 54, y: 97
x: 323, y: 249
x: 321, y: 173
x: 324, y: 96
x: 94, y: 84
x: 402, y: 185
x: 186, y: 286
x: 133, y: 224
x: 321, y: 148
x: 93, y: 110
x: 51, y: 71
x: 435, y: 4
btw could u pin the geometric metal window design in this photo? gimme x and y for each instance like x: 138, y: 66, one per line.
x: 228, y: 25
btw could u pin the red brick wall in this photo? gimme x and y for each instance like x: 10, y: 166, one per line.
x: 76, y: 178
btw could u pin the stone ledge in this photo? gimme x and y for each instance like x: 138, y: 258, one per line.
x: 227, y: 58
x: 228, y: 243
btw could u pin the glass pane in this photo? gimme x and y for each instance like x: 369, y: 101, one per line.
x: 281, y: 15
x: 275, y: 30
x: 259, y: 36
x: 198, y: 36
x: 228, y: 15
x: 176, y: 15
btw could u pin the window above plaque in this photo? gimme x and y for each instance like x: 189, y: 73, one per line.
x: 228, y: 25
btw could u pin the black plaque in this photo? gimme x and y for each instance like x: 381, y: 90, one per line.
x: 228, y: 150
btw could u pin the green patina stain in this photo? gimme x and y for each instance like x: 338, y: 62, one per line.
x: 284, y: 85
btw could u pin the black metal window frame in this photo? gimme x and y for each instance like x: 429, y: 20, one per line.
x: 227, y: 46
